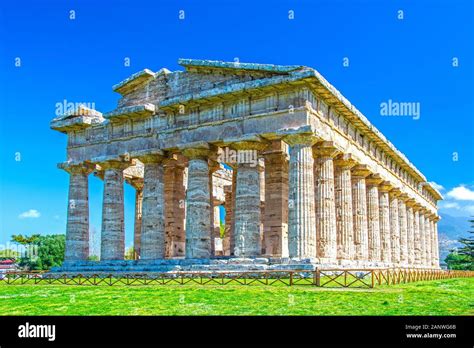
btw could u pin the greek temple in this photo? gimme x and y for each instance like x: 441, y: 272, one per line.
x: 299, y: 177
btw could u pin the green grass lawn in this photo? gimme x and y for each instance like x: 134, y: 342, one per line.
x: 442, y: 297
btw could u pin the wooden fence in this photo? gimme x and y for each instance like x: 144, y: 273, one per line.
x: 354, y: 278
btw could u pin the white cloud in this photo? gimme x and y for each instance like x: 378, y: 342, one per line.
x: 437, y: 186
x: 30, y: 214
x: 449, y: 205
x: 461, y: 193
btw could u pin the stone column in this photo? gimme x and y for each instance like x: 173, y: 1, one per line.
x: 228, y: 219
x: 359, y: 208
x: 422, y: 237
x: 214, y: 210
x: 435, y: 248
x: 373, y: 217
x: 152, y: 244
x: 175, y: 195
x: 232, y: 210
x: 417, y: 236
x: 343, y: 197
x: 275, y: 219
x: 198, y: 205
x: 137, y: 227
x: 137, y: 184
x: 410, y: 232
x: 395, y: 226
x: 301, y: 216
x: 428, y: 239
x: 384, y: 223
x: 77, y: 228
x: 325, y: 204
x: 113, y: 228
x: 403, y: 225
x: 247, y: 201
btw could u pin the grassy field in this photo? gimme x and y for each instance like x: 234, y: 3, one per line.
x: 443, y: 297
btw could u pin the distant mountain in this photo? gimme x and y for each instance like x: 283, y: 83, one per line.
x: 450, y: 229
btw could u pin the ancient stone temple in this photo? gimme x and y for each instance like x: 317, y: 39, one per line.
x: 303, y: 177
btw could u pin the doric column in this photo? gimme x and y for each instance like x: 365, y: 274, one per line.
x: 152, y: 241
x: 301, y: 215
x: 422, y: 237
x: 403, y: 225
x: 416, y: 235
x: 228, y: 204
x: 395, y: 226
x: 435, y: 247
x: 232, y: 210
x: 275, y: 219
x: 343, y: 196
x: 359, y: 209
x: 175, y: 196
x: 198, y: 205
x: 373, y: 217
x: 384, y: 223
x: 113, y: 228
x: 428, y: 237
x: 214, y: 211
x: 247, y: 200
x: 410, y: 232
x: 137, y: 184
x: 325, y: 205
x: 77, y: 228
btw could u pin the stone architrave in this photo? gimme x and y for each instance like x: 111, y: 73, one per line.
x: 343, y: 197
x: 275, y: 219
x: 247, y: 211
x: 395, y: 226
x: 113, y: 230
x: 359, y: 210
x: 325, y: 205
x: 373, y: 217
x: 198, y: 204
x: 301, y: 215
x: 152, y: 241
x: 77, y: 228
x: 384, y: 222
x: 410, y: 231
x: 403, y: 225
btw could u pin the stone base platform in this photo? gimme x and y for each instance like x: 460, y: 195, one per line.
x: 213, y: 264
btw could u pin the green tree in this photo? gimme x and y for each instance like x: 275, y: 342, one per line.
x: 43, y: 252
x: 9, y: 254
x: 462, y: 258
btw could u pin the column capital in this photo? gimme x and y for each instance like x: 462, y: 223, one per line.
x: 248, y: 142
x: 345, y: 160
x: 395, y: 192
x: 77, y: 167
x: 148, y: 156
x: 121, y: 162
x: 373, y: 180
x: 360, y: 170
x: 197, y: 150
x: 403, y: 197
x: 410, y: 202
x: 135, y: 182
x: 385, y: 186
x: 325, y: 149
x: 305, y: 139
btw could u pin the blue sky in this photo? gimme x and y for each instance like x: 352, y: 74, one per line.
x: 78, y: 60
